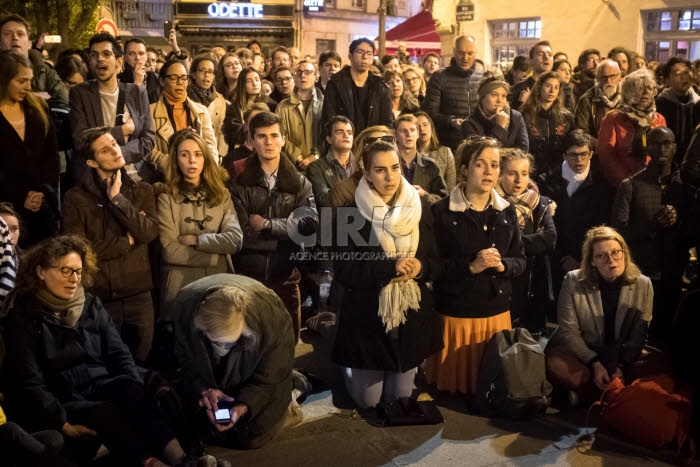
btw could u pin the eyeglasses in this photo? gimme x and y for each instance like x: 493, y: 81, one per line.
x: 284, y: 80
x: 364, y: 53
x: 301, y: 73
x: 206, y: 72
x: 608, y: 77
x: 178, y: 78
x: 650, y: 89
x: 231, y: 65
x: 106, y: 54
x: 67, y: 272
x: 614, y: 255
x: 374, y: 139
x: 582, y: 156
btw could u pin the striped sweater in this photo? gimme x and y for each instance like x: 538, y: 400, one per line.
x: 8, y: 268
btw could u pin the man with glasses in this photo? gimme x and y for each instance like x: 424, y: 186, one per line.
x: 105, y: 102
x: 679, y: 103
x: 136, y: 71
x: 300, y: 116
x: 356, y: 93
x: 46, y: 84
x: 118, y: 216
x: 583, y: 201
x: 650, y: 226
x: 600, y: 99
x: 584, y: 79
x: 453, y: 92
x: 542, y: 60
x: 283, y: 79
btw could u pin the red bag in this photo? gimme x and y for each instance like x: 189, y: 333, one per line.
x: 648, y: 412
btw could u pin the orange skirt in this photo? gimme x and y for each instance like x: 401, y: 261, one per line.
x: 456, y: 367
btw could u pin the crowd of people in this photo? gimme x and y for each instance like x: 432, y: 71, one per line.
x: 159, y: 219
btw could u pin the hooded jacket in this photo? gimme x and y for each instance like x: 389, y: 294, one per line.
x: 257, y: 371
x: 451, y: 93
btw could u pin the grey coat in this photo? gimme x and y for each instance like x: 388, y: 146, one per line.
x: 581, y: 320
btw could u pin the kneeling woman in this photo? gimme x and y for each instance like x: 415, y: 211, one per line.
x: 479, y: 252
x: 386, y: 325
x: 70, y: 370
x: 603, y: 313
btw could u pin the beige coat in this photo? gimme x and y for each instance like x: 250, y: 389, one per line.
x: 164, y: 130
x: 218, y: 232
x: 580, y: 313
x: 217, y: 112
x: 301, y: 129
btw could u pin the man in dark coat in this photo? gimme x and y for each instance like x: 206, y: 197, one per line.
x: 542, y: 61
x: 118, y: 216
x: 135, y: 70
x: 453, y: 92
x: 356, y: 93
x: 274, y: 203
x: 235, y: 348
x: 96, y: 103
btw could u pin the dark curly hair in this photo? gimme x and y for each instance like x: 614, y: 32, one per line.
x: 47, y: 253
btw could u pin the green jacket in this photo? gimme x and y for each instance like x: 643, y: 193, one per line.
x: 46, y: 80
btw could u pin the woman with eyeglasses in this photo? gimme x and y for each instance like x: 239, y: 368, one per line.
x: 175, y: 111
x: 202, y: 91
x: 227, y: 72
x: 29, y: 170
x: 603, y: 312
x: 429, y: 145
x: 386, y: 325
x: 343, y: 193
x: 622, y: 139
x: 479, y: 250
x: 198, y: 225
x: 546, y: 120
x: 69, y: 369
x: 402, y: 99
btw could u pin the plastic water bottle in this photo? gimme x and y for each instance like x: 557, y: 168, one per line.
x: 324, y: 290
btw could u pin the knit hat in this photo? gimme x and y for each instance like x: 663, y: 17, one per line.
x: 490, y: 83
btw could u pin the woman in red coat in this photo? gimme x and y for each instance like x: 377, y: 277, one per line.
x: 622, y: 138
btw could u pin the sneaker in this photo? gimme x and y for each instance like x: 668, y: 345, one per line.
x: 574, y: 400
x: 301, y: 386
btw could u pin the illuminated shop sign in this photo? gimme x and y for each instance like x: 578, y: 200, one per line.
x: 314, y: 5
x: 236, y: 10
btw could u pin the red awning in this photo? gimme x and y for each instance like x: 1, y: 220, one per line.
x: 418, y: 32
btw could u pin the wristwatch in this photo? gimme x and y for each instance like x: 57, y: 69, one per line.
x: 267, y: 225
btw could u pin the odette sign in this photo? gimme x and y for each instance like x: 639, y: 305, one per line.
x: 235, y: 10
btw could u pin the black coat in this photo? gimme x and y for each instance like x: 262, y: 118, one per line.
x: 338, y: 100
x: 52, y: 366
x: 361, y: 341
x: 533, y: 291
x: 30, y: 165
x: 458, y: 292
x: 515, y: 136
x: 546, y: 135
x: 257, y: 371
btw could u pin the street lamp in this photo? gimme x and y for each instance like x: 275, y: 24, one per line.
x: 381, y: 11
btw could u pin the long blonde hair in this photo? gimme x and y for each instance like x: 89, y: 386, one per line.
x: 600, y: 234
x: 213, y: 176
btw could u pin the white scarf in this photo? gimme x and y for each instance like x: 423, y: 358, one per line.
x: 575, y: 180
x: 397, y: 231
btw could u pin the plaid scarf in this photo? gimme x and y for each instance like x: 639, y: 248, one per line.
x: 524, y: 204
x: 642, y: 117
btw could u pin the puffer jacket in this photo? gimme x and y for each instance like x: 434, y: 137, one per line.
x: 266, y: 254
x: 451, y: 93
x: 124, y: 268
x: 218, y: 232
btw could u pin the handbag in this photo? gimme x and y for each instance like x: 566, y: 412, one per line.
x: 407, y: 411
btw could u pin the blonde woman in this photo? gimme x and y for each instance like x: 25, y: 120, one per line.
x: 604, y: 311
x: 196, y: 218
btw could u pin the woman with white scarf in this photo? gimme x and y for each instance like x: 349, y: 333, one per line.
x: 533, y: 292
x: 386, y: 325
x: 479, y: 252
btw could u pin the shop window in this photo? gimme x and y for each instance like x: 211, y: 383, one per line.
x: 689, y: 20
x: 512, y: 37
x: 358, y: 3
x: 672, y: 33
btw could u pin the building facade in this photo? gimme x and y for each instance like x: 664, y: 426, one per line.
x: 503, y: 29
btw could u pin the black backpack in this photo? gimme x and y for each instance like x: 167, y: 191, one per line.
x: 512, y: 379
